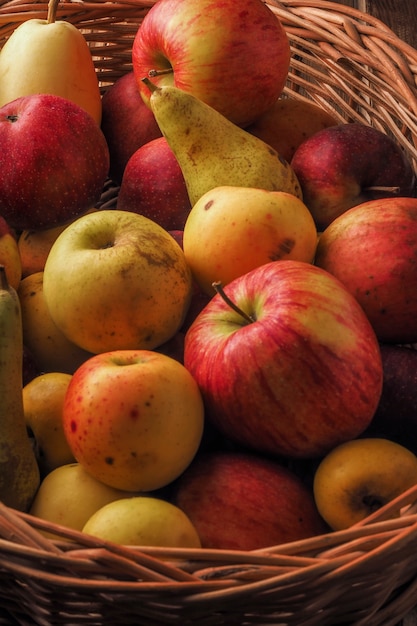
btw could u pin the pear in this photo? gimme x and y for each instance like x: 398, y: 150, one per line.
x: 212, y: 151
x: 19, y: 470
x: 53, y: 57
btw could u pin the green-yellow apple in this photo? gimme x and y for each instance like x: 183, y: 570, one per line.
x: 43, y: 399
x: 286, y: 360
x: 127, y: 123
x: 52, y: 351
x: 143, y: 521
x: 232, y: 55
x: 10, y: 254
x: 371, y: 249
x: 289, y: 122
x: 231, y: 230
x: 69, y: 496
x: 54, y: 161
x: 133, y: 418
x: 341, y: 166
x: 117, y: 280
x: 242, y: 501
x: 358, y: 477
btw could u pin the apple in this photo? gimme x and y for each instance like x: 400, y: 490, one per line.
x: 358, y: 477
x: 48, y: 346
x: 54, y: 161
x: 9, y: 254
x: 143, y: 521
x: 153, y: 185
x: 117, y: 280
x: 289, y: 122
x: 133, y: 418
x: 233, y: 56
x: 242, y: 501
x: 43, y: 399
x: 231, y: 230
x: 345, y: 165
x: 371, y: 249
x: 127, y: 123
x: 69, y: 496
x: 396, y: 415
x: 34, y: 246
x: 286, y: 360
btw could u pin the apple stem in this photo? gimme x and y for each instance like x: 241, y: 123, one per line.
x: 150, y: 85
x: 219, y: 289
x: 153, y: 73
x: 383, y: 189
x: 52, y: 9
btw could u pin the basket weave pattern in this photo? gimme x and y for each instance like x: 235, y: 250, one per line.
x: 354, y: 66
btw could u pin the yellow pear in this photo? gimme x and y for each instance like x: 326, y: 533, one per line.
x: 212, y: 151
x: 19, y: 471
x: 48, y: 56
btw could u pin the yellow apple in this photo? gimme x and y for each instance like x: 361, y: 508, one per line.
x: 117, y: 280
x: 358, y: 477
x: 143, y: 521
x: 51, y: 350
x: 53, y: 57
x: 9, y: 254
x: 43, y: 400
x: 232, y: 230
x: 289, y: 122
x: 133, y: 418
x: 69, y: 496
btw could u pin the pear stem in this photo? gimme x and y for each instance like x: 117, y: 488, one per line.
x: 219, y: 289
x: 52, y: 9
x: 150, y: 85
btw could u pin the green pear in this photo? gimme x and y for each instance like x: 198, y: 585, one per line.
x: 212, y: 151
x: 19, y: 470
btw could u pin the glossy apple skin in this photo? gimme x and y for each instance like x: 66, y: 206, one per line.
x: 127, y: 123
x: 133, y: 418
x: 54, y: 161
x: 233, y: 56
x: 371, y: 249
x: 338, y: 167
x: 303, y: 377
x: 288, y: 122
x: 396, y: 415
x: 241, y: 501
x: 153, y: 185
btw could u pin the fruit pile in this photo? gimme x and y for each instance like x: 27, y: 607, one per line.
x: 223, y: 358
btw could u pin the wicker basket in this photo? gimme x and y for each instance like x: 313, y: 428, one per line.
x: 353, y: 65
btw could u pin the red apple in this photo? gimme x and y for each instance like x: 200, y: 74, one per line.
x: 295, y: 369
x: 153, y: 185
x: 127, y: 123
x: 232, y: 55
x: 54, y: 161
x: 241, y: 501
x: 372, y: 249
x: 396, y: 415
x: 342, y: 166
